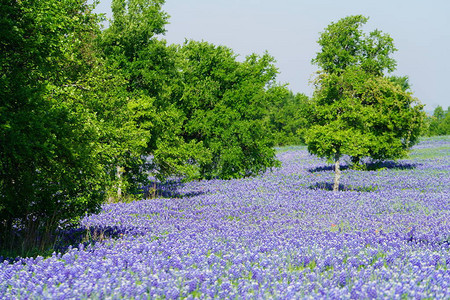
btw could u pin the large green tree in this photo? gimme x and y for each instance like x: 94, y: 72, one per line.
x: 225, y: 102
x: 49, y: 167
x: 132, y: 46
x: 356, y: 110
x: 343, y: 44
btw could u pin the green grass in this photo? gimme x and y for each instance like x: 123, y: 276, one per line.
x: 427, y: 153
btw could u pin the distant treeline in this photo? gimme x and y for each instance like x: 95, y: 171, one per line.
x: 438, y: 123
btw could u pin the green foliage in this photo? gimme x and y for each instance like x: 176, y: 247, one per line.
x: 343, y: 44
x: 362, y: 115
x: 130, y: 45
x: 402, y: 81
x: 172, y: 154
x: 131, y: 48
x: 66, y: 122
x: 439, y: 122
x: 123, y: 124
x: 86, y: 115
x: 356, y: 110
x: 50, y: 171
x: 225, y: 102
x: 208, y: 118
x: 288, y: 115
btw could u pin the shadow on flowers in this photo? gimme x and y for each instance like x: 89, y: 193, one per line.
x: 368, y: 166
x: 168, y: 189
x: 62, y: 240
x: 327, y: 186
x: 73, y: 237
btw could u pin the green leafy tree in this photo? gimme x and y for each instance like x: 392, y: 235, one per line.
x: 356, y: 110
x: 130, y: 47
x: 225, y: 102
x: 205, y: 122
x: 123, y: 124
x: 343, y: 44
x: 439, y: 113
x: 130, y: 44
x: 50, y: 171
x: 444, y: 126
x: 66, y: 120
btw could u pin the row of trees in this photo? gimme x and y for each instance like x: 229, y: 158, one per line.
x: 90, y: 114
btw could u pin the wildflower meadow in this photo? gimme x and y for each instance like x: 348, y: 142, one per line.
x: 280, y: 235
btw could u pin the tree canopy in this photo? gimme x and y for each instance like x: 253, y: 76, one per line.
x: 67, y: 119
x: 343, y: 44
x: 287, y: 115
x: 225, y: 102
x: 209, y: 108
x: 50, y: 166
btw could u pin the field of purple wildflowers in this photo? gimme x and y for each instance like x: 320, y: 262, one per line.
x: 279, y: 235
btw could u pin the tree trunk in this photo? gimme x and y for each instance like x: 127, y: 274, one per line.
x: 337, y: 175
x: 119, y: 182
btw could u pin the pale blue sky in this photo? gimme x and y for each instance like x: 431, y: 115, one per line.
x: 289, y: 29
